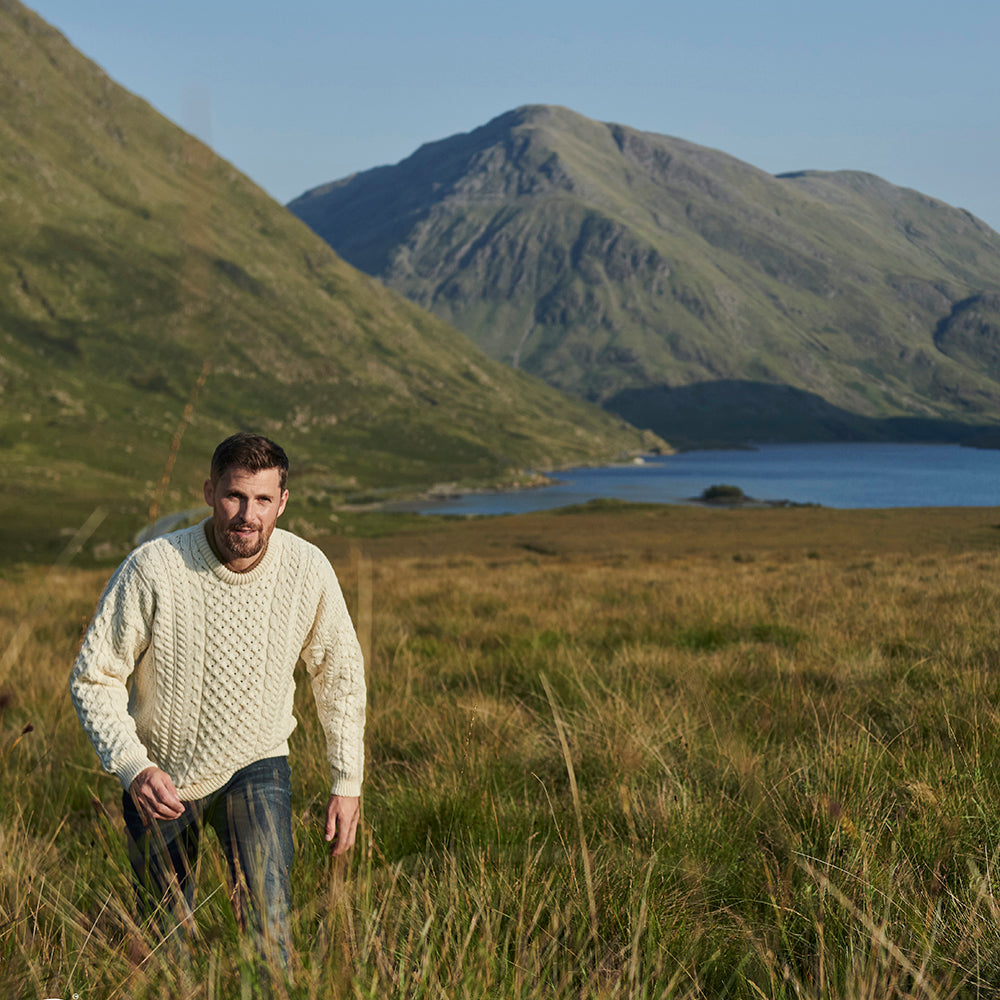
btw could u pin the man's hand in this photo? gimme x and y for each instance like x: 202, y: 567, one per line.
x: 342, y: 812
x: 155, y: 796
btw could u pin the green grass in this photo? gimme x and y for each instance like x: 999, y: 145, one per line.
x: 153, y: 301
x: 613, y: 770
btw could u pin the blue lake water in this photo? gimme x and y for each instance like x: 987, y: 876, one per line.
x: 834, y: 475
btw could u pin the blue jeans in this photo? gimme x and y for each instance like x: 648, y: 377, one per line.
x: 252, y: 817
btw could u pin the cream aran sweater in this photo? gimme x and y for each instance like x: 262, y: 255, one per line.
x: 212, y: 657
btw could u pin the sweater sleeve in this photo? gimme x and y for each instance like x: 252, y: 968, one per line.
x: 336, y: 669
x: 116, y: 640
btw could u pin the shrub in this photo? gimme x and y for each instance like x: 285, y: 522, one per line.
x: 729, y: 494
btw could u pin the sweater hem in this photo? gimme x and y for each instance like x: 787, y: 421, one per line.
x: 206, y: 786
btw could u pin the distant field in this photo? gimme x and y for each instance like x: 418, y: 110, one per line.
x: 631, y: 752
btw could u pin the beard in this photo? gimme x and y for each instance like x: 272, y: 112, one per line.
x: 243, y: 548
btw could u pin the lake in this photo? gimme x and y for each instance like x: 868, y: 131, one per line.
x: 833, y: 475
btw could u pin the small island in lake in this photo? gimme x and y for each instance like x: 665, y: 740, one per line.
x: 724, y: 495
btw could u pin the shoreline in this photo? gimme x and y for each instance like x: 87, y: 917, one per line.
x: 443, y: 492
x: 831, y: 475
x: 440, y: 492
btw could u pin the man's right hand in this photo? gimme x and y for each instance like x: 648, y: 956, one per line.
x: 155, y: 796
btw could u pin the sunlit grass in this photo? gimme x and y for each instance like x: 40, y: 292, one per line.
x: 601, y: 773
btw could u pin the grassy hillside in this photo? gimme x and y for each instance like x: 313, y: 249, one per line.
x: 150, y: 294
x: 640, y: 271
x: 652, y: 752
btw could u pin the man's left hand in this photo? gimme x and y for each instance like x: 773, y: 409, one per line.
x: 342, y: 812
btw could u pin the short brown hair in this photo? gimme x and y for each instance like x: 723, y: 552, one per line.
x: 251, y: 452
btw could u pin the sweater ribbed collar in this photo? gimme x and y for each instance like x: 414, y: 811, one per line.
x: 223, y: 572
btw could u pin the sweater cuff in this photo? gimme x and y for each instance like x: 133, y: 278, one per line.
x: 347, y: 787
x: 131, y: 767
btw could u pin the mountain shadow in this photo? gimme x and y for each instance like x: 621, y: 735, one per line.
x: 734, y: 413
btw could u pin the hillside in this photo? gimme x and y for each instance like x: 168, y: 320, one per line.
x: 147, y: 288
x: 683, y: 288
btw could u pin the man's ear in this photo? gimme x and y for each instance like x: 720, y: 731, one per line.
x: 281, y: 505
x: 209, y: 491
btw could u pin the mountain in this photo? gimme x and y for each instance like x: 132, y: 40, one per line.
x: 153, y: 300
x: 683, y: 288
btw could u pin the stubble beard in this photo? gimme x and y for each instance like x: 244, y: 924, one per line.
x: 243, y: 548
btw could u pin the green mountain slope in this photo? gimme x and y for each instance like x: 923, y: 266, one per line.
x: 644, y: 272
x: 140, y: 273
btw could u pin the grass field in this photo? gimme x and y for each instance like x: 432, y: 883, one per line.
x: 632, y: 752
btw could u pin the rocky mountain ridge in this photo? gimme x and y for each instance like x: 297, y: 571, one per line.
x: 639, y: 271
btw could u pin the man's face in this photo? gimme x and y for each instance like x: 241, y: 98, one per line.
x: 245, y: 508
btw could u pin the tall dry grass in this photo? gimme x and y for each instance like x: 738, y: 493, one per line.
x: 594, y: 771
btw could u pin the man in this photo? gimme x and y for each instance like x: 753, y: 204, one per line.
x: 209, y: 622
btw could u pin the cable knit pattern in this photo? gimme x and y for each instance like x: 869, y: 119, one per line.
x: 212, y: 656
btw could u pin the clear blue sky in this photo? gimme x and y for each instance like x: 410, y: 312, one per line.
x: 302, y: 92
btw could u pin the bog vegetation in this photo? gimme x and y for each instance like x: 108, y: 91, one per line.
x: 617, y: 752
